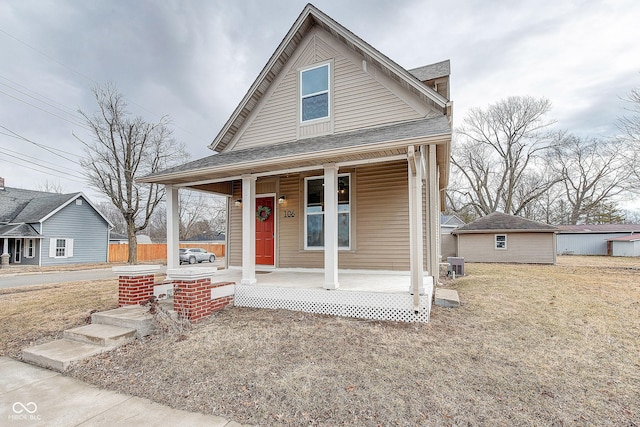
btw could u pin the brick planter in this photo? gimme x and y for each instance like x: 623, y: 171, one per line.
x: 135, y: 283
x: 195, y: 297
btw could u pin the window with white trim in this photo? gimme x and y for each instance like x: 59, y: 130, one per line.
x: 30, y: 248
x: 314, y: 93
x: 60, y: 248
x: 501, y: 241
x: 314, y: 212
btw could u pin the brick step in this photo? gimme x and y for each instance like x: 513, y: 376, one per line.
x: 102, y: 335
x: 59, y: 354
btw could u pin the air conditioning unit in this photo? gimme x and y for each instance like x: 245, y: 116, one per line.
x: 456, y: 266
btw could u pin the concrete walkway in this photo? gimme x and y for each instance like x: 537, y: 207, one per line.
x: 34, y: 396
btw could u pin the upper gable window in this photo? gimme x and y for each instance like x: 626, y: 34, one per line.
x: 314, y: 93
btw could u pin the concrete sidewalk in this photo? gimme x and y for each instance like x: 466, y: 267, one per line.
x: 34, y: 396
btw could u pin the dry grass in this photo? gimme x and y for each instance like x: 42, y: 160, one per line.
x: 22, y: 269
x: 531, y: 345
x: 33, y: 314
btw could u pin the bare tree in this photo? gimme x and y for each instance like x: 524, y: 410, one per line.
x: 498, y: 155
x: 592, y: 172
x: 114, y: 216
x: 50, y: 187
x: 630, y: 127
x: 122, y: 149
x: 199, y: 213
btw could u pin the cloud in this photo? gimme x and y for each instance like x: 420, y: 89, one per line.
x: 195, y: 60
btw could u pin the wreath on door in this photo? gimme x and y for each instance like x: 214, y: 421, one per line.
x: 263, y: 213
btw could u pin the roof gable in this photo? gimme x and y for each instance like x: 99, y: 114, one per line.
x: 498, y: 221
x: 18, y: 231
x: 432, y: 71
x: 41, y: 207
x: 309, y: 18
x: 27, y: 206
x: 360, y: 97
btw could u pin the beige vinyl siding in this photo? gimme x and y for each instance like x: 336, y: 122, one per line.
x: 359, y: 99
x: 234, y: 240
x: 380, y: 217
x: 379, y: 221
x: 528, y: 248
x: 276, y: 121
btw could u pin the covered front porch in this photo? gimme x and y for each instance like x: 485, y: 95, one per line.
x: 365, y: 294
x: 353, y: 221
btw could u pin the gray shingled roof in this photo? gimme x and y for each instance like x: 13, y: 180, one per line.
x: 13, y: 200
x: 276, y: 153
x: 599, y: 228
x: 18, y: 205
x: 498, y: 221
x: 19, y: 231
x: 432, y: 71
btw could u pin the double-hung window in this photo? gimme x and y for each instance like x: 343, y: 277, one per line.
x: 314, y: 212
x: 60, y: 248
x: 501, y: 241
x: 314, y: 93
x: 30, y: 248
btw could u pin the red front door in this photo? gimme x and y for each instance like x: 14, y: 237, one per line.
x: 265, y: 214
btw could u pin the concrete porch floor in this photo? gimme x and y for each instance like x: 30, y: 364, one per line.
x: 349, y: 280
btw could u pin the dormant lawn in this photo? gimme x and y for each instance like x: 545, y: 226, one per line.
x: 530, y: 345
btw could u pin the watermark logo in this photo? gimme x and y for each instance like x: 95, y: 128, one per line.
x: 24, y: 412
x: 20, y: 407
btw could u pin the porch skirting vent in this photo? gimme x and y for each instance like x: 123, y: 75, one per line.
x: 364, y: 305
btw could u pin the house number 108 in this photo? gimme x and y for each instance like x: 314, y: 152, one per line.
x: 289, y: 214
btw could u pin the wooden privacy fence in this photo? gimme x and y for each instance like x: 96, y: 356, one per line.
x: 158, y: 251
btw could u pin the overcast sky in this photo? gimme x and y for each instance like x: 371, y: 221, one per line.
x: 194, y: 61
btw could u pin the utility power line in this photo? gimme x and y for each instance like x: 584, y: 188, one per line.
x: 44, y: 147
x: 30, y: 165
x: 85, y: 77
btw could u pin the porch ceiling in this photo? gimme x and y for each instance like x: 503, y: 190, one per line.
x: 368, y: 144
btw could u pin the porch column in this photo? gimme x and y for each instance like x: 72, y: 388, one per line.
x: 434, y: 214
x: 173, y: 228
x: 248, y: 230
x: 416, y: 248
x: 4, y: 255
x: 331, y: 226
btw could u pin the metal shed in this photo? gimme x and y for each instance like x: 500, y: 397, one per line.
x: 624, y: 246
x: 590, y: 239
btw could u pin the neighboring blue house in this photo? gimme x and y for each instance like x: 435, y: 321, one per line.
x: 40, y: 228
x: 448, y: 242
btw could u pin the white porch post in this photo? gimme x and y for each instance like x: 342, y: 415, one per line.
x: 173, y: 228
x: 434, y: 214
x: 331, y: 226
x: 248, y: 230
x: 416, y: 249
x: 5, y: 246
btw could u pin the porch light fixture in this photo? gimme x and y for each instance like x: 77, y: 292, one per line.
x: 282, y: 199
x: 342, y: 188
x: 238, y: 202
